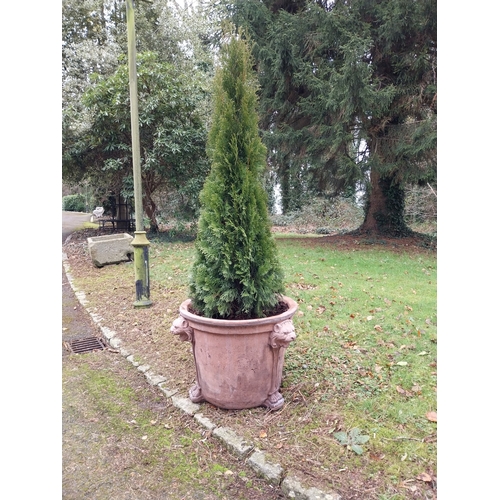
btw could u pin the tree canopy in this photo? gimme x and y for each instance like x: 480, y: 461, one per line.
x: 348, y: 89
x: 172, y: 132
x: 176, y: 68
x: 348, y: 97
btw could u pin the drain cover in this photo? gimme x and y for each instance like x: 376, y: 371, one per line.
x: 88, y: 344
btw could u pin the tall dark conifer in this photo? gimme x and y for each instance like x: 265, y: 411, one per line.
x: 348, y: 94
x: 236, y: 273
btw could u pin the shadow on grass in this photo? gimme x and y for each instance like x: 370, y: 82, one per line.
x: 184, y: 235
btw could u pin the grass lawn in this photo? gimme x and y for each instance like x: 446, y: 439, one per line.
x: 364, y: 359
x: 365, y: 354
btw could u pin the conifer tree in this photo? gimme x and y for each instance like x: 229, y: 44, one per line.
x: 236, y: 274
x: 348, y: 92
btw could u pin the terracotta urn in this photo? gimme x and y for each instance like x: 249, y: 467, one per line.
x: 239, y: 363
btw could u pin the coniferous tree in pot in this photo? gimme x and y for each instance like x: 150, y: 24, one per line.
x: 237, y: 319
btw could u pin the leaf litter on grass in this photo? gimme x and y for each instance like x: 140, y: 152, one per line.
x: 122, y: 439
x: 340, y: 373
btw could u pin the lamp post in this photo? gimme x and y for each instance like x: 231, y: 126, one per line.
x: 140, y: 241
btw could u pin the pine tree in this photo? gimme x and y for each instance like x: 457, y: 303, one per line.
x: 236, y: 273
x: 348, y: 92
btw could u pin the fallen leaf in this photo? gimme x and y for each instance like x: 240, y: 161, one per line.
x: 411, y: 487
x: 404, y: 392
x: 432, y: 416
x: 402, y: 363
x: 424, y: 477
x: 376, y: 456
x: 263, y: 434
x: 378, y: 328
x: 350, y: 345
x: 369, y: 318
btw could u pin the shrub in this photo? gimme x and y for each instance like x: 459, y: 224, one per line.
x: 323, y: 216
x: 420, y: 204
x: 236, y: 273
x: 73, y: 203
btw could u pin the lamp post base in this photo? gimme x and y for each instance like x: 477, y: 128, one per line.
x: 143, y: 303
x: 141, y: 265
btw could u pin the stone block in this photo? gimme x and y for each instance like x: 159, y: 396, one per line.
x: 272, y: 472
x: 185, y: 404
x: 233, y: 442
x: 110, y: 249
x: 208, y: 424
x: 292, y: 488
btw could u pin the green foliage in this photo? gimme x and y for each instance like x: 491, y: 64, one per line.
x: 172, y: 132
x: 348, y: 88
x: 94, y: 42
x: 391, y: 221
x: 73, y: 203
x: 352, y: 440
x: 236, y: 273
x: 365, y: 354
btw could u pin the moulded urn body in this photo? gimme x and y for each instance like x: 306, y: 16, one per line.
x: 239, y: 363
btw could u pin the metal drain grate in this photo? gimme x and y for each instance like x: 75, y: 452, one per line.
x: 88, y: 344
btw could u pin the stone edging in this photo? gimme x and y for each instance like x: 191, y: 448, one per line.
x: 252, y: 456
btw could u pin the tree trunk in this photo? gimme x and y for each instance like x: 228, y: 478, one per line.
x: 150, y: 209
x: 122, y: 214
x: 385, y: 210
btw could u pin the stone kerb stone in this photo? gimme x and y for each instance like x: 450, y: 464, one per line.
x: 110, y: 249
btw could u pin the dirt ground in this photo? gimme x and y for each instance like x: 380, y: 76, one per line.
x: 123, y: 440
x: 146, y: 332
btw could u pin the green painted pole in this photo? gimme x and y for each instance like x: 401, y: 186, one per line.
x: 140, y: 241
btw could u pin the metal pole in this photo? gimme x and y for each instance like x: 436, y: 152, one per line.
x: 140, y: 242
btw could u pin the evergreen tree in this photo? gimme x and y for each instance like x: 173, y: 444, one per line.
x: 172, y: 133
x: 95, y: 94
x: 348, y: 94
x: 236, y: 273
